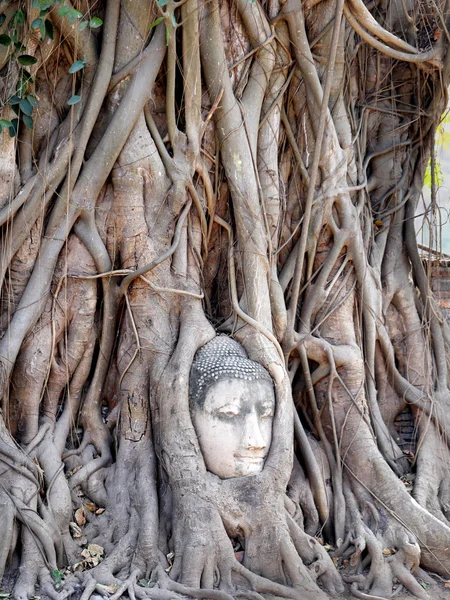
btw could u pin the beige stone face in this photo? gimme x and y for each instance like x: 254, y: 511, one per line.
x: 234, y: 426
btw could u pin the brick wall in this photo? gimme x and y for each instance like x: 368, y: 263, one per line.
x: 440, y: 284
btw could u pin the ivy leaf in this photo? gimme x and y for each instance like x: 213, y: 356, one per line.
x: 26, y: 76
x: 14, y: 100
x: 163, y: 2
x: 28, y: 121
x: 19, y: 46
x: 25, y: 107
x: 156, y: 22
x: 19, y: 18
x: 36, y: 23
x: 49, y: 29
x: 26, y: 59
x: 8, y: 124
x: 42, y: 30
x: 2, y: 20
x: 73, y: 15
x: 82, y: 26
x: 63, y: 11
x: 33, y: 101
x: 57, y: 576
x: 95, y: 22
x: 42, y: 4
x: 5, y: 40
x: 13, y: 127
x: 77, y: 66
x: 73, y: 100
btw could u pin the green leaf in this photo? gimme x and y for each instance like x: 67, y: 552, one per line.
x: 14, y: 100
x: 5, y: 40
x: 2, y: 20
x: 163, y: 2
x: 26, y: 59
x: 13, y: 127
x: 19, y: 46
x: 82, y: 26
x: 438, y: 177
x: 49, y: 29
x: 26, y: 76
x: 63, y: 11
x: 36, y: 23
x: 95, y: 22
x: 57, y: 576
x: 43, y: 4
x: 28, y: 121
x: 77, y: 66
x: 156, y: 22
x: 42, y: 30
x: 5, y: 123
x: 25, y: 107
x: 19, y: 18
x: 33, y: 101
x: 73, y: 100
x: 73, y: 15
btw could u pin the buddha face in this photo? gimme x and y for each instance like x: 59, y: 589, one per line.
x: 234, y: 426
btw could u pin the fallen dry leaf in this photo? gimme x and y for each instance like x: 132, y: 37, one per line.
x: 80, y: 517
x: 95, y: 549
x: 91, y: 507
x: 99, y: 511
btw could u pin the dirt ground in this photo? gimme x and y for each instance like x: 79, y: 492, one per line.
x: 435, y: 592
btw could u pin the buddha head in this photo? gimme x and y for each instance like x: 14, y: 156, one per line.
x: 232, y: 403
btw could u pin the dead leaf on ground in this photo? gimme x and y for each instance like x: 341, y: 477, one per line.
x: 99, y: 511
x: 80, y: 517
x: 447, y: 584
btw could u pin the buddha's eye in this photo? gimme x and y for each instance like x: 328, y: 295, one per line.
x: 228, y: 412
x: 266, y: 414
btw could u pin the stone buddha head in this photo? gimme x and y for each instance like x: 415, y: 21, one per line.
x: 232, y: 403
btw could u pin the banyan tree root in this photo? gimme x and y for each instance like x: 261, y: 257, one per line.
x: 261, y: 164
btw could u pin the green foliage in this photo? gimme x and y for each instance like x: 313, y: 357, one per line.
x: 25, y: 107
x: 42, y: 4
x: 95, y: 22
x: 77, y: 66
x: 5, y: 40
x: 57, y: 577
x: 441, y: 143
x: 438, y: 176
x: 26, y: 60
x: 74, y: 100
x: 22, y: 101
x: 156, y: 22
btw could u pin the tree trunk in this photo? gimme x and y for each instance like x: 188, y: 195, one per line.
x: 172, y: 170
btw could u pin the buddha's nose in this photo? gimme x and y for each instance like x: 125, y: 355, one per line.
x: 253, y: 438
